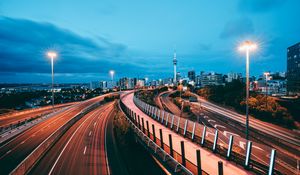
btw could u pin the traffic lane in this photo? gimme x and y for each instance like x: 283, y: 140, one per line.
x: 271, y: 129
x: 114, y: 154
x: 83, y: 153
x: 14, y: 119
x: 13, y: 152
x: 260, y: 153
x: 171, y: 106
x: 73, y: 110
x: 47, y: 162
x: 261, y: 149
x: 211, y: 160
x: 41, y: 129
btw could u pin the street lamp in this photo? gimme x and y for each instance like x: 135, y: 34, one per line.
x: 180, y: 81
x: 52, y: 55
x: 247, y: 46
x: 112, y: 73
x: 267, y: 75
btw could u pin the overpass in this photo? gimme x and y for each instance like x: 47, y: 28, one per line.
x: 190, y: 134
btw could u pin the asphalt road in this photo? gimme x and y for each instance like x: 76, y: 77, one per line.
x: 17, y: 149
x: 8, y: 119
x: 285, y: 161
x: 82, y: 149
x: 210, y: 161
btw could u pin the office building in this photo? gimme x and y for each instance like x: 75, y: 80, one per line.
x: 233, y: 76
x: 192, y: 75
x: 293, y: 70
x: 94, y: 85
x: 211, y: 78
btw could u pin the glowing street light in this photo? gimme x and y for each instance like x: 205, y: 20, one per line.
x: 52, y: 55
x: 112, y: 73
x: 247, y: 46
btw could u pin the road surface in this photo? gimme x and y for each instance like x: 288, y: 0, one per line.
x: 82, y: 149
x: 286, y: 160
x: 210, y: 161
x: 17, y: 149
x: 14, y: 118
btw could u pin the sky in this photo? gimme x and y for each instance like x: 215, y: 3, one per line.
x: 138, y: 38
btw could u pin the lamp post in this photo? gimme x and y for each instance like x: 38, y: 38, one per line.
x: 247, y: 46
x: 112, y: 73
x: 52, y: 55
x: 180, y: 81
x: 267, y: 75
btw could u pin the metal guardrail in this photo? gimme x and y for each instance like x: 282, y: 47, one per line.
x: 151, y: 146
x: 39, y: 151
x: 199, y: 134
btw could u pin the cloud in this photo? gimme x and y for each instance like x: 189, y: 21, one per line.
x: 258, y: 6
x: 23, y: 44
x: 239, y: 27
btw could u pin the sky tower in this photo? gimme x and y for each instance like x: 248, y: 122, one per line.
x: 174, y: 63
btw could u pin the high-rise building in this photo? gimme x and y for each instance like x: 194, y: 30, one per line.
x: 175, y: 64
x: 178, y: 76
x: 103, y: 84
x: 111, y: 84
x: 123, y: 82
x: 192, y: 75
x: 198, y: 80
x: 293, y: 69
x: 211, y: 78
x: 233, y: 76
x: 94, y: 84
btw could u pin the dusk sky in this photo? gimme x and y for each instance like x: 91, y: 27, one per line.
x: 137, y: 38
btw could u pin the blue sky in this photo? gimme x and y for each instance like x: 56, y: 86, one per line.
x: 137, y: 38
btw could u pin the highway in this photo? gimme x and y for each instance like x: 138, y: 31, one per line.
x: 18, y: 148
x: 210, y: 161
x: 285, y: 158
x: 268, y: 128
x: 14, y: 118
x: 82, y: 149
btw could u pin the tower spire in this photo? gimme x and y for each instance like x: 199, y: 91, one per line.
x: 174, y: 64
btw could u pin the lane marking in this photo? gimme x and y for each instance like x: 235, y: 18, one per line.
x: 105, y: 146
x: 211, y: 120
x: 50, y: 172
x: 4, y: 135
x: 231, y: 133
x: 90, y: 133
x: 84, y: 150
x: 22, y: 142
x: 8, y: 151
x: 220, y: 126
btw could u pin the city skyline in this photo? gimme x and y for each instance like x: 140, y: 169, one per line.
x: 108, y: 37
x: 149, y: 87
